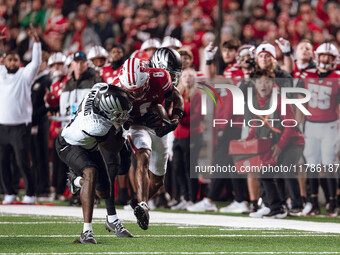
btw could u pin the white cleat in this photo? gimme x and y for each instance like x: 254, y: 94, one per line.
x: 203, y: 206
x: 9, y: 199
x: 259, y: 213
x: 183, y: 205
x: 235, y: 207
x: 29, y: 200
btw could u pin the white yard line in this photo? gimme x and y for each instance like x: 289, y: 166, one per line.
x: 183, y: 253
x: 179, y: 218
x: 174, y: 236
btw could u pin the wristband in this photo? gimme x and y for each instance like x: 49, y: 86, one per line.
x: 286, y: 54
x: 209, y: 62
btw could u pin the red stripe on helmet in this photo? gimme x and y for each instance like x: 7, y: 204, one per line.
x: 133, y: 71
x: 128, y: 70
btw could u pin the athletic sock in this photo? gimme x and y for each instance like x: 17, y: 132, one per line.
x: 77, y: 181
x: 112, y: 218
x: 87, y: 226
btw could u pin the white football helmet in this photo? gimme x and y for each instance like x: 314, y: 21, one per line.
x: 171, y: 42
x: 151, y: 43
x: 244, y: 50
x: 56, y: 58
x: 327, y: 49
x: 134, y: 77
x: 113, y: 102
x: 68, y: 60
x: 97, y: 52
x: 141, y: 54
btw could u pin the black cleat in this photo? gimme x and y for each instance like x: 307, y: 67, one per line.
x: 297, y: 212
x: 141, y: 212
x: 315, y: 211
x: 117, y: 228
x: 332, y: 210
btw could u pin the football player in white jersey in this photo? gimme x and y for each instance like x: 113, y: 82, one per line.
x: 99, y: 120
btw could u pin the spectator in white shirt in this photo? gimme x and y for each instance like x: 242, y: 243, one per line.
x: 16, y: 118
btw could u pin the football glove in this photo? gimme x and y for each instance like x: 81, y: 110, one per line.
x: 169, y: 126
x: 209, y: 52
x: 151, y: 120
x: 284, y: 45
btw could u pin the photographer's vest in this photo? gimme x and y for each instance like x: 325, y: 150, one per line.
x: 267, y: 130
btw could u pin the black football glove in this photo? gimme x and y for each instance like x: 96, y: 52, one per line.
x: 150, y: 120
x: 169, y: 126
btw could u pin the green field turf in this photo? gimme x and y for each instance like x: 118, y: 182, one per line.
x: 43, y: 235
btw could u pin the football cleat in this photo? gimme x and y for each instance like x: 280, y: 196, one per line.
x: 117, y: 228
x: 203, y: 206
x: 297, y: 212
x: 277, y: 214
x: 9, y: 199
x: 260, y: 212
x: 141, y: 212
x: 87, y: 237
x: 71, y: 176
x: 315, y: 211
x: 235, y: 207
x: 332, y: 210
x: 29, y: 199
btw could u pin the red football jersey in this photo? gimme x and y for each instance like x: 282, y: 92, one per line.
x: 323, y: 104
x: 53, y: 97
x: 108, y: 74
x: 160, y: 85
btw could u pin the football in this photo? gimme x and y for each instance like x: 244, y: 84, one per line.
x: 159, y: 110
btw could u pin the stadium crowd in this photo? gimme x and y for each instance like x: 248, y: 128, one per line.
x: 87, y: 42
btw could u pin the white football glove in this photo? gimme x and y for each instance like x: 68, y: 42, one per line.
x: 284, y: 45
x: 209, y: 52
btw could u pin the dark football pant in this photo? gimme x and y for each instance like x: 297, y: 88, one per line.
x: 274, y: 191
x: 18, y: 138
x: 222, y: 158
x: 78, y: 158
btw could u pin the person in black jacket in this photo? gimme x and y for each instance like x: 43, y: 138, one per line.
x: 82, y: 79
x: 39, y: 131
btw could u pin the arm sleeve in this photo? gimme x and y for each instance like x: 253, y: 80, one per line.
x: 32, y: 68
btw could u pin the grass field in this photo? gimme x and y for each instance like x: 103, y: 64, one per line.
x: 45, y: 235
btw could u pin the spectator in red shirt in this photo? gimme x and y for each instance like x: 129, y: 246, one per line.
x: 287, y: 148
x: 188, y: 140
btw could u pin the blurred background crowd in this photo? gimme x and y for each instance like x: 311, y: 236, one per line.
x: 121, y: 28
x: 70, y: 26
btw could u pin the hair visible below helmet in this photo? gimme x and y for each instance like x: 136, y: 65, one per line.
x: 56, y: 58
x: 327, y: 49
x: 113, y: 102
x: 134, y: 77
x: 245, y: 50
x: 97, y: 52
x: 169, y: 60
